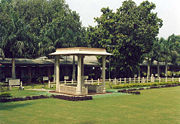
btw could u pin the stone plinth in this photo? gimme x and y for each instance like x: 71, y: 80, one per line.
x: 95, y: 88
x: 72, y: 90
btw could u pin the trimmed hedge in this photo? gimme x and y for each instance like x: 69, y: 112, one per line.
x: 135, y: 90
x: 5, y: 95
x: 130, y: 91
x: 23, y: 98
x: 143, y: 85
x: 72, y: 98
x: 69, y: 98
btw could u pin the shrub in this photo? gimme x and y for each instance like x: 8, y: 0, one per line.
x: 144, y: 85
x: 5, y: 95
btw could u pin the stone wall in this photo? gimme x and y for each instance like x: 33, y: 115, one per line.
x: 72, y: 90
x: 95, y: 88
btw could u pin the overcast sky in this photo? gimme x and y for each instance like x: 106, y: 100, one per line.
x: 168, y: 11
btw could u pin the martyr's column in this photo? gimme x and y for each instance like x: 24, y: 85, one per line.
x: 79, y: 80
x: 82, y: 71
x: 57, y: 73
x: 103, y: 72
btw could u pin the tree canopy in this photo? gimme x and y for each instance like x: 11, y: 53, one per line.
x: 32, y: 28
x: 39, y: 26
x: 128, y: 33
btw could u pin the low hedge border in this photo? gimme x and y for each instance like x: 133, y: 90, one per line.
x: 23, y: 98
x: 72, y: 98
x: 129, y: 91
x: 143, y: 85
x: 69, y: 98
x: 135, y: 90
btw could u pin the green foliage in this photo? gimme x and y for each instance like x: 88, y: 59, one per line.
x: 128, y: 33
x: 170, y: 49
x: 173, y: 74
x: 37, y: 27
x: 32, y: 28
x: 5, y: 95
x: 141, y: 85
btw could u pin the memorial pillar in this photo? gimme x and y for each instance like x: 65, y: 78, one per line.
x: 57, y: 73
x: 103, y: 72
x: 79, y: 80
x: 82, y: 71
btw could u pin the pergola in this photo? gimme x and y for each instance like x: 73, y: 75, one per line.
x: 80, y: 52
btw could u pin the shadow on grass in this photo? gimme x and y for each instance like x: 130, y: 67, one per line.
x: 10, y: 106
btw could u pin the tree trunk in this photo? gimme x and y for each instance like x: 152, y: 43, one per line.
x: 74, y: 69
x: 148, y: 69
x: 139, y: 72
x: 13, y: 68
x: 158, y: 71
x: 29, y: 75
x: 49, y: 72
x: 166, y: 68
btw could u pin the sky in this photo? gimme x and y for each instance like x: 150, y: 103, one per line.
x: 167, y: 10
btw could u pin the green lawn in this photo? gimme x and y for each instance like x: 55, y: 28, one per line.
x: 15, y: 92
x: 155, y: 106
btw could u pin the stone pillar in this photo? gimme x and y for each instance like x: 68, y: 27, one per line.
x: 54, y: 77
x: 115, y: 81
x: 120, y: 80
x: 134, y: 79
x: 49, y: 84
x: 103, y: 72
x: 159, y: 79
x: 166, y: 79
x: 57, y: 73
x: 139, y: 79
x: 74, y: 69
x: 143, y: 80
x: 98, y: 81
x: 124, y: 80
x: 129, y: 80
x: 82, y: 71
x: 79, y: 80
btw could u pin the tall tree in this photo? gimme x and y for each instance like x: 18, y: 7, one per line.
x: 31, y: 28
x: 154, y: 54
x: 128, y: 33
x: 170, y: 50
x: 14, y: 34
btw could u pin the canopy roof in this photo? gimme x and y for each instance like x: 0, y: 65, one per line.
x: 81, y: 51
x: 65, y: 60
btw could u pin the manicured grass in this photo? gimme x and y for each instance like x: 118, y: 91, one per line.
x: 155, y: 106
x: 15, y: 92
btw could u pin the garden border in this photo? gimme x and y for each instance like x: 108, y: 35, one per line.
x: 69, y: 98
x: 135, y: 90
